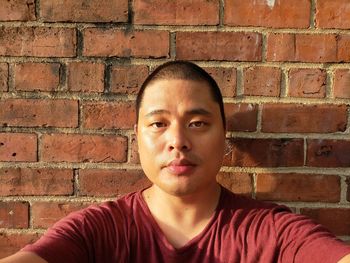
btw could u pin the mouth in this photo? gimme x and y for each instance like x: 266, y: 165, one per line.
x: 180, y: 166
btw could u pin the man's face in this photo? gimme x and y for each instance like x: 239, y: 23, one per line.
x: 180, y: 136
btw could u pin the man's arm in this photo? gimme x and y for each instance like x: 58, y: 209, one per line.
x: 345, y: 259
x: 24, y: 257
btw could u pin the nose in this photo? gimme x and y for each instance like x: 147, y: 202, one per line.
x: 178, y: 139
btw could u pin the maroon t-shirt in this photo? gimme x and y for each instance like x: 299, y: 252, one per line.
x: 241, y: 230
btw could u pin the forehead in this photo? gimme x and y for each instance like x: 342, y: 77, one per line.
x: 177, y: 92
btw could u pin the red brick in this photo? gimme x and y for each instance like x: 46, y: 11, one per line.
x: 333, y: 14
x: 17, y: 10
x: 226, y: 79
x: 265, y: 153
x: 11, y: 243
x: 347, y: 181
x: 37, y: 76
x: 262, y: 81
x: 281, y: 47
x: 44, y: 181
x: 84, y: 11
x: 45, y: 214
x: 109, y: 115
x: 134, y: 154
x: 336, y: 220
x: 328, y: 153
x: 298, y: 187
x: 179, y: 12
x: 4, y: 73
x: 98, y: 182
x: 128, y: 79
x: 316, y: 48
x: 241, y: 117
x: 343, y: 48
x: 37, y: 112
x: 307, y: 83
x: 18, y: 147
x: 278, y: 14
x: 342, y: 83
x: 302, y: 47
x: 231, y: 46
x: 83, y: 148
x: 303, y: 118
x: 99, y: 42
x: 37, y: 41
x: 86, y: 76
x: 14, y: 214
x: 239, y: 183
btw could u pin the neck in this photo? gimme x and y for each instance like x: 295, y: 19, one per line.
x: 181, y: 218
x: 188, y: 208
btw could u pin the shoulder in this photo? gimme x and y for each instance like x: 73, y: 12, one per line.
x: 116, y: 210
x: 236, y: 202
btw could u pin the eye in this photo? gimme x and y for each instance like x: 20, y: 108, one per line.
x: 158, y: 124
x: 197, y: 124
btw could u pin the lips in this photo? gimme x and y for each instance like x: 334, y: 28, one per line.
x: 180, y: 166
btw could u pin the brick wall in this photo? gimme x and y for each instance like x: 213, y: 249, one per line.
x: 70, y: 69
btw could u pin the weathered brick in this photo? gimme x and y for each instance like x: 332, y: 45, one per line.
x: 11, y: 243
x: 84, y: 11
x: 343, y: 48
x: 14, y: 214
x: 99, y: 42
x: 262, y: 81
x: 337, y: 220
x: 98, y: 182
x: 231, y: 46
x: 179, y: 12
x: 17, y: 10
x: 109, y: 115
x: 44, y: 181
x: 37, y: 41
x: 333, y: 14
x: 342, y: 83
x: 303, y: 118
x: 225, y: 78
x: 302, y: 47
x: 85, y: 76
x: 328, y: 153
x: 37, y: 76
x: 276, y: 14
x: 38, y: 112
x: 347, y: 181
x: 298, y: 187
x: 307, y: 83
x: 127, y: 79
x: 4, y: 73
x: 18, y: 147
x: 83, y: 148
x: 45, y: 214
x: 241, y: 117
x: 265, y: 153
x: 239, y: 183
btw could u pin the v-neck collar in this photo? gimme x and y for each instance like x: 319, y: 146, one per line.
x: 162, y: 239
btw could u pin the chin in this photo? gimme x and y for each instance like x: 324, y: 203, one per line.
x: 179, y: 190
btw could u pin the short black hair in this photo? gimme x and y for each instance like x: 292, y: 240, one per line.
x: 184, y: 70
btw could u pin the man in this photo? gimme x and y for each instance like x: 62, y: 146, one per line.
x: 185, y: 216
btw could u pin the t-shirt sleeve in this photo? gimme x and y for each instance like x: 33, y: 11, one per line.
x: 300, y: 239
x: 83, y: 236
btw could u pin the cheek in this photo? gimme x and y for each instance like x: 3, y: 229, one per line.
x: 148, y: 145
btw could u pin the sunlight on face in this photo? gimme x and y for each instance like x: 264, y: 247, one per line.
x: 180, y: 136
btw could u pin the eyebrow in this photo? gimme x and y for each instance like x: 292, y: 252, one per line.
x: 195, y: 111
